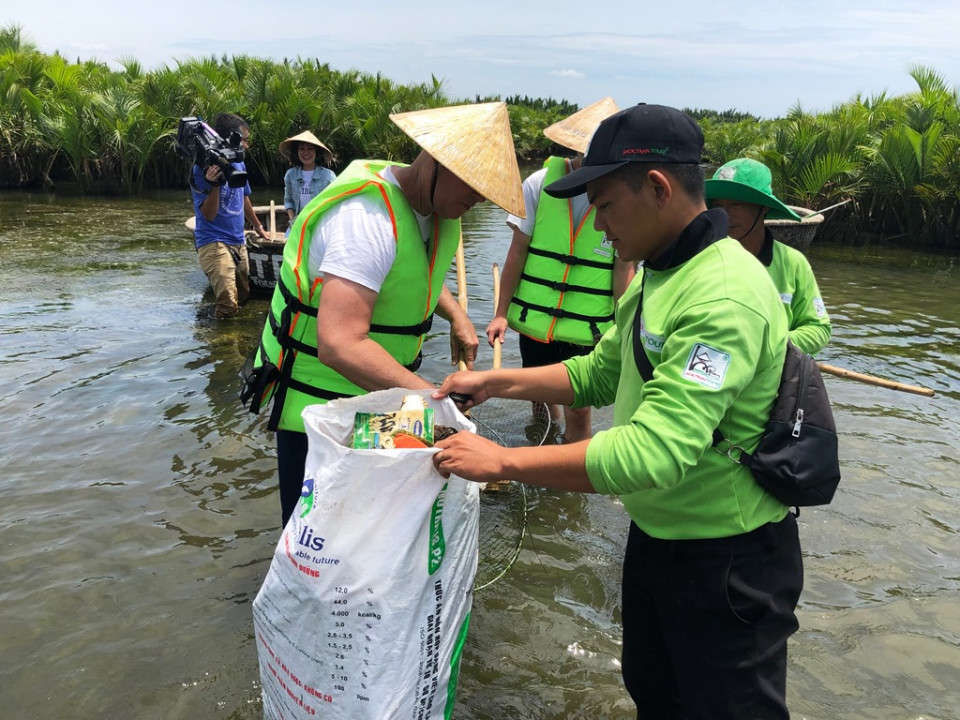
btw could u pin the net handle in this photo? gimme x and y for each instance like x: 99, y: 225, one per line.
x: 498, y: 343
x: 461, y: 296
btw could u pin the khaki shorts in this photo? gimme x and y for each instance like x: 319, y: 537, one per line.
x: 228, y: 269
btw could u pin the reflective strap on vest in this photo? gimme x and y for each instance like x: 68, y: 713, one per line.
x: 285, y: 382
x: 282, y: 336
x: 592, y: 320
x: 564, y: 287
x: 568, y: 259
x: 294, y: 304
x: 279, y: 332
x: 311, y: 390
x: 419, y: 329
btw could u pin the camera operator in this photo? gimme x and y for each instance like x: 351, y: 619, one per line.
x: 220, y: 210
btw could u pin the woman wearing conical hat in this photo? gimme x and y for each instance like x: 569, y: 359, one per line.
x: 308, y: 176
x: 363, y: 272
x: 744, y: 189
x: 561, y: 278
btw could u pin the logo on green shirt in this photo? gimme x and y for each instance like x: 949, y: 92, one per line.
x: 707, y: 366
x: 651, y: 342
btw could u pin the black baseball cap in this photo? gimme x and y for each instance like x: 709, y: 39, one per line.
x: 642, y: 133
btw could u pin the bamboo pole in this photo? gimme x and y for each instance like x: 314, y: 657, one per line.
x: 461, y: 295
x: 874, y: 380
x: 827, y: 209
x: 497, y: 485
x: 498, y: 343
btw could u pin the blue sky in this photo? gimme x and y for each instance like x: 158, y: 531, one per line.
x: 762, y: 57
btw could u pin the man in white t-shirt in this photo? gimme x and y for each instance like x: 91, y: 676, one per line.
x: 363, y: 272
x: 335, y: 252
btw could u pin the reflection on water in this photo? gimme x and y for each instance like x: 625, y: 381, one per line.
x: 138, y: 507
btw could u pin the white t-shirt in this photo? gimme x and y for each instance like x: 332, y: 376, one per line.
x: 531, y: 198
x: 305, y: 195
x: 355, y: 241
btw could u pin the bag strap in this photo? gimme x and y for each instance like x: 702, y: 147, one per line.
x: 644, y: 367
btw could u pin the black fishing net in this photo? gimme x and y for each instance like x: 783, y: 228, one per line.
x: 503, y: 506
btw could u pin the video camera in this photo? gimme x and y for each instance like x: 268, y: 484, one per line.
x: 200, y: 143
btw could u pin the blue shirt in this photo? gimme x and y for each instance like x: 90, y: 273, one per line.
x: 227, y: 226
x: 293, y: 186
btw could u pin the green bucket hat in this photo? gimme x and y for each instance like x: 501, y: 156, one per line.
x: 747, y: 181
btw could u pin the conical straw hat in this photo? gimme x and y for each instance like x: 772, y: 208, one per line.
x: 306, y: 137
x: 475, y: 143
x: 574, y: 132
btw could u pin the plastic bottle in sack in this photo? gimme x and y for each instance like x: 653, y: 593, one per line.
x: 412, y: 402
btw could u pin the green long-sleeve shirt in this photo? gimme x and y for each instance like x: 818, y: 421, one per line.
x: 793, y: 277
x: 715, y: 334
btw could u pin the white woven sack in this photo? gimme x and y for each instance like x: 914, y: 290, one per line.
x: 364, y: 610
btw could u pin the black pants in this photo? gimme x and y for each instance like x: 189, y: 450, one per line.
x: 291, y: 457
x: 539, y: 354
x: 706, y: 622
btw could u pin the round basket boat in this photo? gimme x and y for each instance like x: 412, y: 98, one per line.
x: 265, y: 256
x: 796, y: 234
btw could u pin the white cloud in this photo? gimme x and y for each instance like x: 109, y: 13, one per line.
x: 568, y: 73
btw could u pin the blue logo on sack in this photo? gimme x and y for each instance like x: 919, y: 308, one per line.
x: 306, y: 496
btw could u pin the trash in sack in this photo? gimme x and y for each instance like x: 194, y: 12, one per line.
x: 364, y: 611
x: 382, y: 430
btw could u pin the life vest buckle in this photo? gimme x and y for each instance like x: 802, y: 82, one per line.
x: 256, y: 381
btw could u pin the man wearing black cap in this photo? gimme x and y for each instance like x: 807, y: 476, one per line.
x: 712, y: 569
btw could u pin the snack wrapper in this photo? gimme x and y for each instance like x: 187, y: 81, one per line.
x: 373, y: 431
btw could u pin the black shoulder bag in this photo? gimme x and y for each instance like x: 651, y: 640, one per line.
x: 797, y: 460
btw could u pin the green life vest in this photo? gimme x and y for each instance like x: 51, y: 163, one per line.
x: 402, y: 313
x: 565, y: 292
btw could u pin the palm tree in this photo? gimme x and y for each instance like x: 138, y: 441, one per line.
x: 23, y: 146
x: 899, y: 157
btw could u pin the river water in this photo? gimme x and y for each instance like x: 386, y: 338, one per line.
x: 138, y: 509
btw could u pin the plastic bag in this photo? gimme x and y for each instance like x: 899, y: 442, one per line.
x: 365, y: 608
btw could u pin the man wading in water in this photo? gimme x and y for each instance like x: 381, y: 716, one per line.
x: 560, y: 279
x: 219, y: 210
x: 743, y: 188
x: 363, y: 272
x: 712, y: 569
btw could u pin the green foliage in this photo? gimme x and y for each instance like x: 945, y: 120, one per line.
x: 11, y: 40
x: 898, y: 158
x: 113, y: 130
x: 562, y: 108
x: 723, y: 116
x: 728, y: 140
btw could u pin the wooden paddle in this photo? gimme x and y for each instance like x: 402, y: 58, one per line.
x: 273, y: 221
x: 874, y: 380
